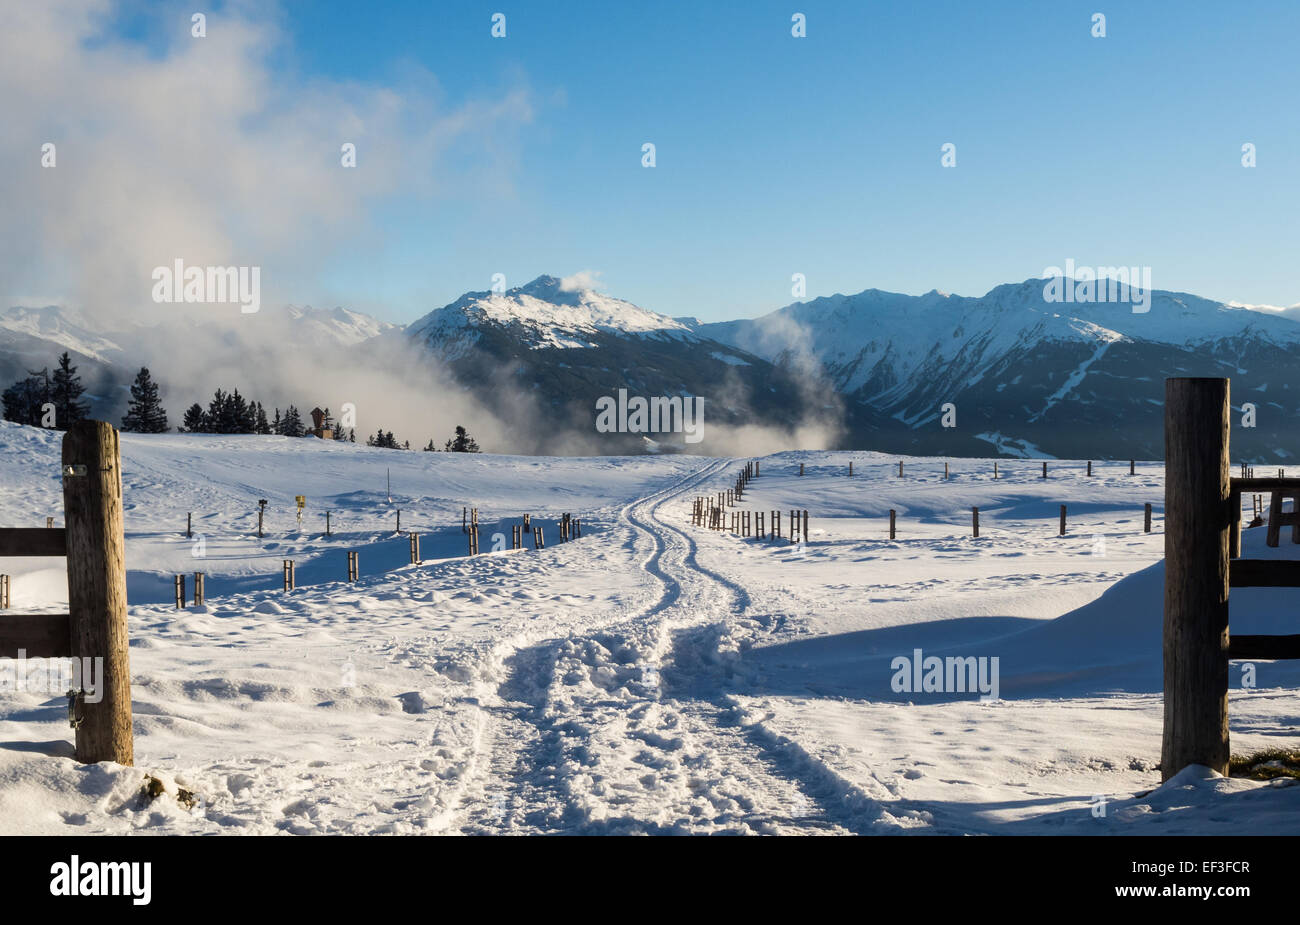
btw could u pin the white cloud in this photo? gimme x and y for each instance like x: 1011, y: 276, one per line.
x: 208, y: 152
x: 583, y: 279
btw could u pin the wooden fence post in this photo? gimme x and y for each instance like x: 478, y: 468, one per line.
x: 900, y: 468
x: 96, y: 548
x: 1090, y: 467
x: 399, y: 520
x: 4, y: 592
x: 198, y: 589
x: 1062, y: 520
x: 189, y: 525
x: 179, y: 583
x: 975, y: 522
x: 327, y: 523
x: 260, y: 510
x: 290, y: 579
x: 945, y: 471
x: 353, y: 567
x: 892, y: 519
x: 995, y: 470
x: 1044, y: 470
x: 1197, y: 492
x: 1132, y: 467
x: 850, y: 468
x: 801, y: 468
x: 1146, y: 518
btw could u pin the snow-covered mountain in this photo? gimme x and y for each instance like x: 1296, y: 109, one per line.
x: 1027, y: 375
x: 566, y: 348
x: 542, y: 314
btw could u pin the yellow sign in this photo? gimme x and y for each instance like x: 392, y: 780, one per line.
x: 301, y: 499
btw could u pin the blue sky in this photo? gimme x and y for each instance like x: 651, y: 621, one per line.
x: 818, y: 155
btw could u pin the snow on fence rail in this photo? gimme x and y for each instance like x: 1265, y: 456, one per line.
x: 94, y: 628
x: 1202, y: 563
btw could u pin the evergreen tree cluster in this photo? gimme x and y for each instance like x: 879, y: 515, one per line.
x: 231, y: 413
x: 26, y: 401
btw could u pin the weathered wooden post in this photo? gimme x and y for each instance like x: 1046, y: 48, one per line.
x: 290, y: 579
x: 353, y: 568
x: 179, y: 587
x: 1044, y: 470
x: 801, y: 468
x: 1274, y: 536
x: 415, y: 548
x: 975, y: 522
x: 1062, y: 520
x: 473, y: 539
x: 189, y: 525
x: 4, y: 592
x: 399, y: 520
x: 1197, y: 493
x: 1146, y: 518
x: 198, y: 589
x: 805, y: 527
x: 1132, y: 467
x: 850, y: 468
x: 756, y: 468
x: 945, y: 471
x: 1090, y: 467
x: 260, y: 511
x: 892, y: 521
x: 539, y: 541
x: 327, y: 523
x: 900, y: 468
x: 464, y: 520
x: 995, y: 470
x: 96, y: 551
x: 527, y: 519
x: 49, y: 523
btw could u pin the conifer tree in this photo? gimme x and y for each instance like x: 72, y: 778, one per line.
x: 145, y: 413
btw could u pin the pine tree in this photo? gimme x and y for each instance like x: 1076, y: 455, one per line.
x: 214, y: 421
x: 292, y: 425
x: 277, y: 426
x: 352, y: 435
x: 66, y: 393
x: 24, y: 401
x: 261, y: 426
x: 239, y: 418
x: 145, y: 413
x: 194, y: 420
x: 462, y: 442
x: 430, y: 448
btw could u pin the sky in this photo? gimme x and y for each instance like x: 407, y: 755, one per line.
x: 522, y: 155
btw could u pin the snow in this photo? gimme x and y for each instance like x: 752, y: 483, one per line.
x: 650, y: 677
x: 899, y: 337
x: 552, y: 315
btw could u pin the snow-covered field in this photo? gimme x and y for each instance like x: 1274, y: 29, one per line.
x: 650, y: 677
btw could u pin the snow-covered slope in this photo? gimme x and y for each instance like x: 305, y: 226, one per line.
x: 650, y: 677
